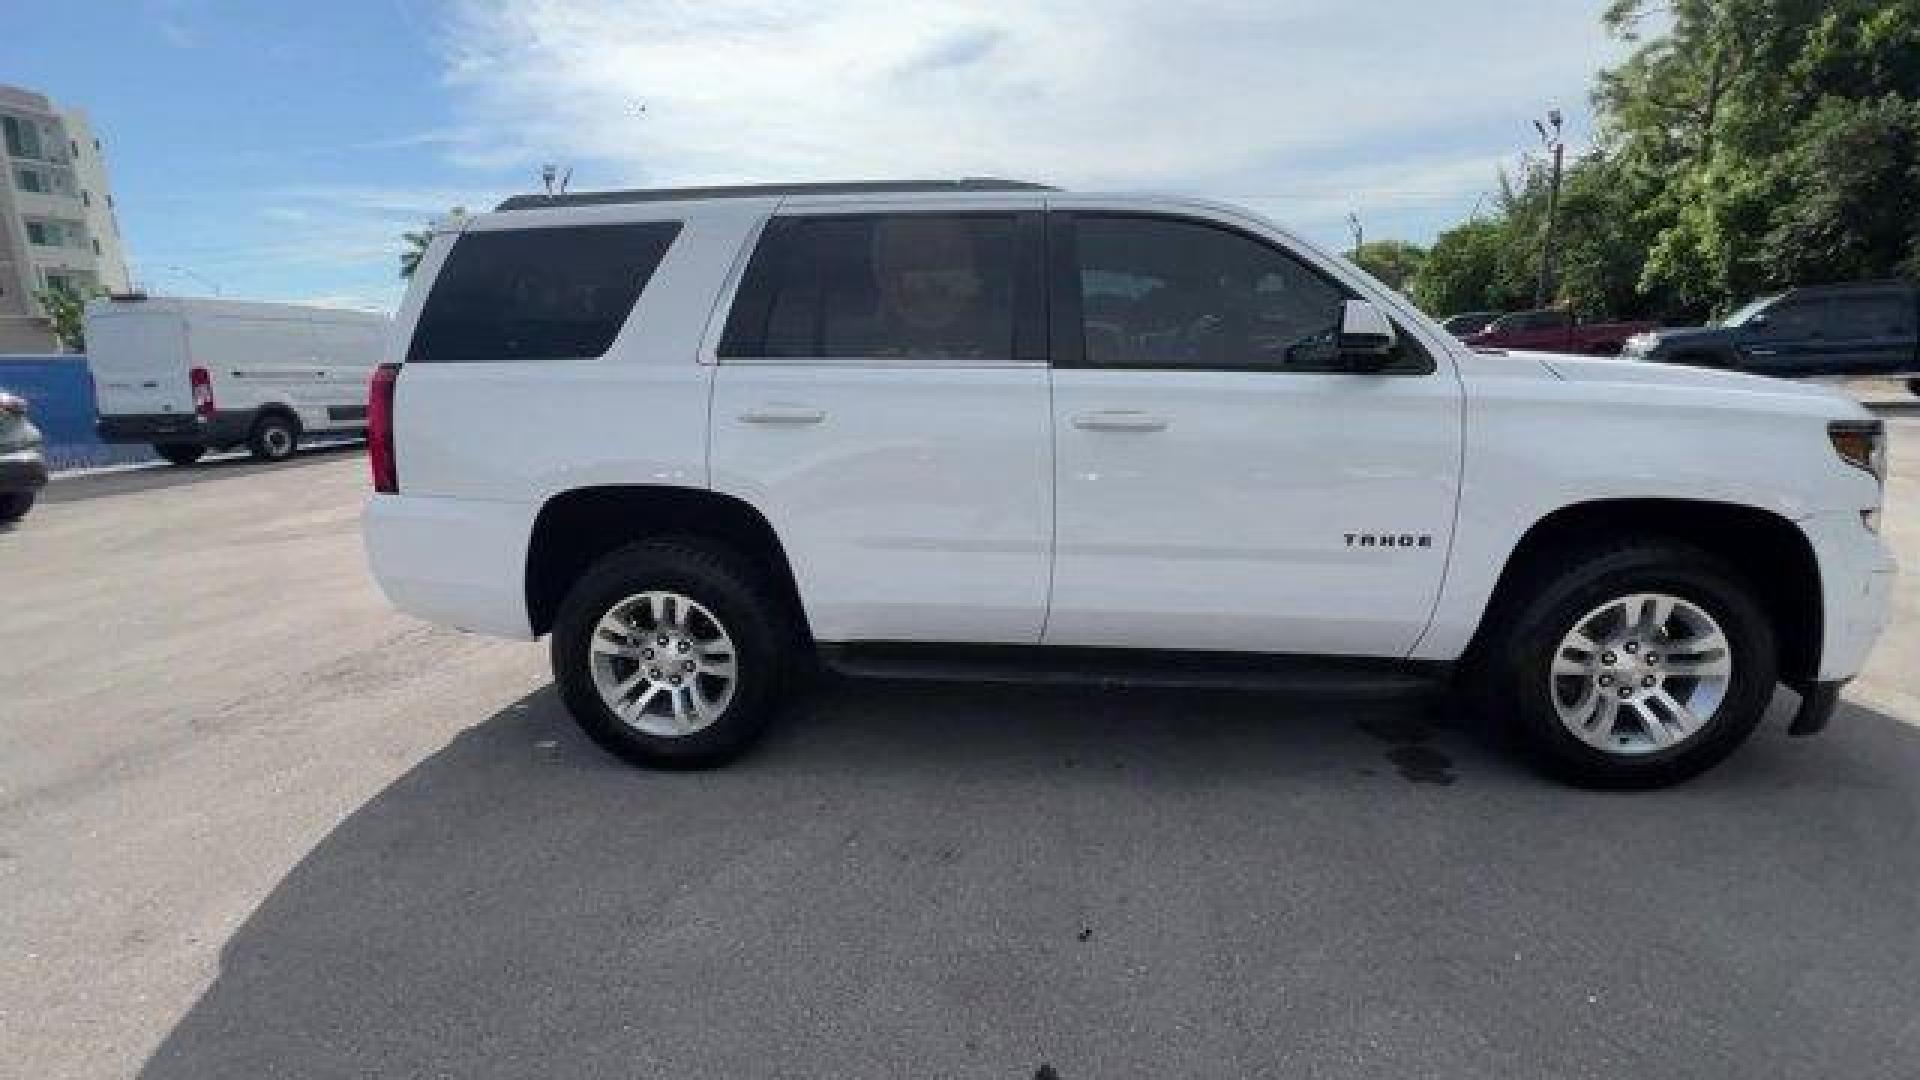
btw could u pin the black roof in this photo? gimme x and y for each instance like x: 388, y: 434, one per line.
x: 1884, y: 285
x: 766, y: 191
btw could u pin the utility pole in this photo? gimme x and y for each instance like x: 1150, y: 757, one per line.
x: 1550, y: 136
x: 1359, y: 233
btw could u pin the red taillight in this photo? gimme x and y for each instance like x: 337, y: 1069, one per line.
x: 202, y: 391
x: 386, y: 478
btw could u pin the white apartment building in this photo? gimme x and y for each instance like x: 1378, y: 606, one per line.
x: 57, y: 223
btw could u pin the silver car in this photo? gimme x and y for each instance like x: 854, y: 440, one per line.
x: 23, y: 469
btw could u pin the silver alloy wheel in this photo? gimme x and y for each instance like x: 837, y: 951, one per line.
x: 279, y: 440
x: 663, y: 664
x: 1640, y: 674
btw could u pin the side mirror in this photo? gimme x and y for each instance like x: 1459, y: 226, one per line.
x: 1366, y: 338
x: 1758, y: 321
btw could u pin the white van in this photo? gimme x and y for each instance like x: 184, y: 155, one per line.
x: 188, y: 375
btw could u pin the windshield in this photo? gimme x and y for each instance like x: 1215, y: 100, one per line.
x: 1749, y: 310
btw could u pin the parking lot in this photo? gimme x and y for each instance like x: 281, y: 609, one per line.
x: 254, y: 823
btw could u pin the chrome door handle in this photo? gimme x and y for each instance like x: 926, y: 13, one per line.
x: 1119, y: 420
x: 1763, y: 352
x: 783, y: 414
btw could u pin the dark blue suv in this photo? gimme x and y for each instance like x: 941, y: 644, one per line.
x: 1862, y: 330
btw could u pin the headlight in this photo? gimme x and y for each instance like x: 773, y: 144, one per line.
x: 1862, y: 444
x: 1641, y: 343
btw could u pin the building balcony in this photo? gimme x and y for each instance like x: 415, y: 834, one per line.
x: 44, y: 204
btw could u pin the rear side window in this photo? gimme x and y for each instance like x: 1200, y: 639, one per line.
x: 537, y: 294
x: 1533, y: 320
x: 1871, y: 316
x: 901, y: 286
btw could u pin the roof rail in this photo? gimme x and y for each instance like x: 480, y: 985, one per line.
x: 766, y: 191
x: 1843, y: 286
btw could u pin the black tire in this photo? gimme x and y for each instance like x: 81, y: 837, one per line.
x: 15, y: 504
x: 180, y: 453
x: 1558, y: 591
x: 275, y: 437
x: 1913, y: 387
x: 742, y: 600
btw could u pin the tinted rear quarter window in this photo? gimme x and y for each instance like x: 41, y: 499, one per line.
x: 538, y: 294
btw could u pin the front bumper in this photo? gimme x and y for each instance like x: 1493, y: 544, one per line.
x: 1857, y: 574
x: 23, y: 470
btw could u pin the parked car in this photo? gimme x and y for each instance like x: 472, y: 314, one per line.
x: 1468, y: 322
x: 1556, y: 330
x: 989, y: 429
x: 189, y: 375
x: 1865, y: 330
x: 23, y: 467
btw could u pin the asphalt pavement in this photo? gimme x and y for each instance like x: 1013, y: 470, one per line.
x: 253, y: 823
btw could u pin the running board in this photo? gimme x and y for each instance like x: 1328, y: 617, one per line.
x: 1064, y: 666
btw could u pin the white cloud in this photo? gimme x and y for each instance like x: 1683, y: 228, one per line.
x: 333, y: 245
x: 1320, y: 103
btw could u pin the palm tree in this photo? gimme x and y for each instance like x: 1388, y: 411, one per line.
x: 416, y: 245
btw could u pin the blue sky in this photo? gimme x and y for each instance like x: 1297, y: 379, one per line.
x: 279, y: 149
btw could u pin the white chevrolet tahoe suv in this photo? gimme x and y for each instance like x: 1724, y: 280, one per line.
x: 705, y: 438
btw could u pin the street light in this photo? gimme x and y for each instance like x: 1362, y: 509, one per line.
x: 1550, y: 136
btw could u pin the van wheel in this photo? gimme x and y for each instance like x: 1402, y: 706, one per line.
x: 15, y: 504
x: 180, y: 453
x: 274, y: 438
x: 1634, y: 666
x: 670, y: 654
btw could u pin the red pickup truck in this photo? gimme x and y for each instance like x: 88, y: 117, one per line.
x: 1554, y: 330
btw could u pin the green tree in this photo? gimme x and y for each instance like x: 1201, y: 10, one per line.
x: 414, y: 245
x: 1742, y: 146
x: 1394, y: 262
x: 1852, y: 184
x: 66, y: 310
x: 1772, y: 140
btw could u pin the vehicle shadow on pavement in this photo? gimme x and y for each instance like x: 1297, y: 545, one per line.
x: 919, y: 880
x: 94, y: 485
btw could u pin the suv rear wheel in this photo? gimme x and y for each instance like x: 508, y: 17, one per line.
x: 669, y: 654
x: 274, y: 438
x: 1636, y: 666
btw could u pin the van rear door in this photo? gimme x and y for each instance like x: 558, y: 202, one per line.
x: 139, y: 362
x: 346, y: 353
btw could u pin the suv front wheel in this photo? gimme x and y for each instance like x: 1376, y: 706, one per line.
x: 669, y: 654
x: 1635, y: 666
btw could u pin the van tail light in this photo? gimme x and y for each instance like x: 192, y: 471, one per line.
x: 386, y: 477
x: 202, y: 391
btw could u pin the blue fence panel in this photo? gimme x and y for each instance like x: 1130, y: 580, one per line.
x: 59, y: 391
